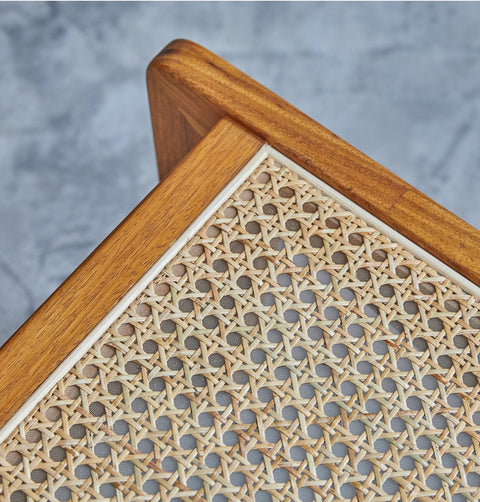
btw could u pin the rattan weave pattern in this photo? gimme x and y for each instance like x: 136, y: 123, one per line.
x: 290, y: 351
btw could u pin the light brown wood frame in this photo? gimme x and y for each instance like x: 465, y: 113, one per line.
x: 95, y: 287
x: 190, y: 89
x: 208, y: 120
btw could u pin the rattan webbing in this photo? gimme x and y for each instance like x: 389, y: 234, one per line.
x: 290, y: 351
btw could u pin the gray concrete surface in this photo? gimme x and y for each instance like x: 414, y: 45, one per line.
x: 400, y: 81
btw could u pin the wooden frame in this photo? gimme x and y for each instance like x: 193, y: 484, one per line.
x: 84, y: 299
x: 208, y: 120
x: 190, y: 89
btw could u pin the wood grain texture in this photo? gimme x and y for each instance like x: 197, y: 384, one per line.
x: 191, y: 88
x: 84, y: 299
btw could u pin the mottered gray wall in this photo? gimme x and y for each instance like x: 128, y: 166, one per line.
x: 400, y: 81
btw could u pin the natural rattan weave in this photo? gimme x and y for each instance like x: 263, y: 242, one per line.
x: 290, y: 351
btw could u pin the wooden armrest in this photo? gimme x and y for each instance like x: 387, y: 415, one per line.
x: 190, y: 89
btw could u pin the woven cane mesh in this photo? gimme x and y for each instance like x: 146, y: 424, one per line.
x: 290, y: 351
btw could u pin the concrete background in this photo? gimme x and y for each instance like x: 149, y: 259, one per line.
x: 400, y: 81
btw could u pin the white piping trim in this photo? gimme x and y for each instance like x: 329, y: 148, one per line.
x: 135, y: 291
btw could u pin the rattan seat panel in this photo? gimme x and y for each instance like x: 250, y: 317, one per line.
x: 290, y: 351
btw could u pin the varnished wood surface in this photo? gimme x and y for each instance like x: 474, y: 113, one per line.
x: 191, y: 88
x: 84, y: 299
